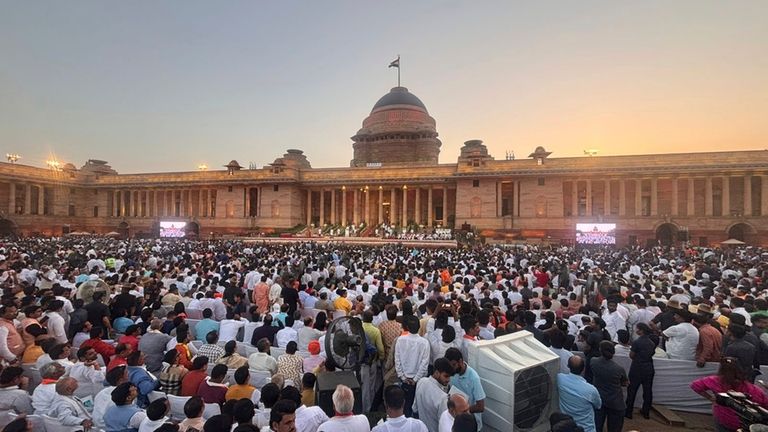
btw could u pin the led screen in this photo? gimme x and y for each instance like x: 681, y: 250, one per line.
x: 172, y: 229
x: 595, y: 233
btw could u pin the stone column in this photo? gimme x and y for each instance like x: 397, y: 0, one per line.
x: 156, y: 197
x: 405, y: 205
x: 691, y: 204
x: 498, y: 199
x: 333, y: 206
x: 309, y: 207
x: 675, y: 198
x: 343, y: 206
x: 764, y: 195
x: 246, y: 201
x: 367, y: 215
x: 429, y: 207
x: 261, y: 200
x: 380, y: 218
x: 417, y: 206
x: 356, y: 207
x: 445, y: 206
x: 201, y: 202
x: 747, y: 195
x: 322, y: 207
x: 41, y: 200
x: 28, y: 199
x: 638, y: 197
x: 726, y: 196
x: 622, y: 197
x: 654, y: 196
x: 11, y: 198
x: 708, y: 207
x: 393, y: 207
x: 118, y: 203
x: 575, y: 198
x: 589, y: 198
x: 607, y: 198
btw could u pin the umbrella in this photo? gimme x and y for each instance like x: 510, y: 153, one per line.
x: 732, y: 242
x: 112, y: 234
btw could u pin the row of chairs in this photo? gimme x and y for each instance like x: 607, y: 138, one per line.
x: 246, y: 349
x: 42, y: 423
x: 177, y: 406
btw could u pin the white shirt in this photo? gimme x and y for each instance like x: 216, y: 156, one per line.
x: 412, y: 355
x: 353, y: 423
x: 446, y: 421
x: 228, y: 328
x: 564, y: 356
x: 148, y: 425
x: 83, y: 373
x: 683, y: 339
x: 56, y: 327
x: 401, y: 424
x: 101, y: 403
x: 259, y: 361
x: 42, y: 398
x: 286, y: 335
x: 430, y: 401
x: 308, y: 419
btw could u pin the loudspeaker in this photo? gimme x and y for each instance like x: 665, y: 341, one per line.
x: 326, y: 385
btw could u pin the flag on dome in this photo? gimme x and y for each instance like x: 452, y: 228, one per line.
x: 395, y: 63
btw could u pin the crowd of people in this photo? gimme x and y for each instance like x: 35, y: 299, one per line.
x: 114, y: 332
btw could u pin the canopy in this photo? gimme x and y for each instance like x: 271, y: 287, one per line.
x: 732, y: 242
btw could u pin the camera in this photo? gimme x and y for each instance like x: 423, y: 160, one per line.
x: 748, y: 411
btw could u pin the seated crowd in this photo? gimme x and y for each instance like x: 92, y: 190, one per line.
x: 212, y: 336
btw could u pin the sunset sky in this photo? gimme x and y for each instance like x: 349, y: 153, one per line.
x: 164, y: 86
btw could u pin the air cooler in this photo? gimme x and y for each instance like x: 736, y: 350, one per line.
x: 519, y: 376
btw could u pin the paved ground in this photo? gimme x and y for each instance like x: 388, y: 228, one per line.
x: 693, y: 422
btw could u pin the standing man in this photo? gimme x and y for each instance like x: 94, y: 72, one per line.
x: 411, y: 359
x: 430, y: 400
x: 14, y: 342
x: 457, y: 405
x: 609, y: 378
x: 396, y: 421
x: 467, y: 380
x: 578, y: 398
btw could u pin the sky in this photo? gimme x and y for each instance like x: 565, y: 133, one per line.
x: 165, y: 86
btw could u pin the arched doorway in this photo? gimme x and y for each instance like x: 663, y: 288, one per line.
x: 124, y: 230
x: 192, y: 230
x: 742, y: 232
x: 666, y: 234
x: 7, y: 228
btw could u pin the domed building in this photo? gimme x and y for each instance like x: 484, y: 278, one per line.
x: 398, y: 131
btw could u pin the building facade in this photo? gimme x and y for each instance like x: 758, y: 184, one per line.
x: 394, y: 178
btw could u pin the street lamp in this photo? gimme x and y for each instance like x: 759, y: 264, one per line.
x: 53, y: 164
x: 202, y: 167
x: 12, y: 157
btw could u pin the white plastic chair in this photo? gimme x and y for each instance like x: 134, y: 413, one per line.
x: 250, y: 350
x: 276, y: 352
x: 196, y: 314
x: 155, y: 395
x: 53, y: 424
x: 211, y: 409
x: 248, y: 331
x: 259, y: 378
x: 177, y: 406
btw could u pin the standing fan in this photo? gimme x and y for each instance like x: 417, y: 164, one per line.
x: 345, y: 343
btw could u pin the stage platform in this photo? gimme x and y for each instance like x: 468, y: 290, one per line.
x: 365, y: 241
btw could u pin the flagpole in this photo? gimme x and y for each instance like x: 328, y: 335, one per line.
x: 398, y: 70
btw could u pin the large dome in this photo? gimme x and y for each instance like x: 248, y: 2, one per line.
x: 399, y: 96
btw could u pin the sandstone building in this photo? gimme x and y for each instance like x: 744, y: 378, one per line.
x: 394, y: 177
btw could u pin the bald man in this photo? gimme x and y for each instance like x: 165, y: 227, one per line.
x: 69, y: 410
x: 457, y: 404
x: 578, y: 398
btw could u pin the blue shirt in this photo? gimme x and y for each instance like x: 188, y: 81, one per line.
x: 469, y: 384
x: 579, y: 399
x: 205, y: 326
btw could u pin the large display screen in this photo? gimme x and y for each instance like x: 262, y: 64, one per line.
x: 595, y: 233
x: 172, y: 229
